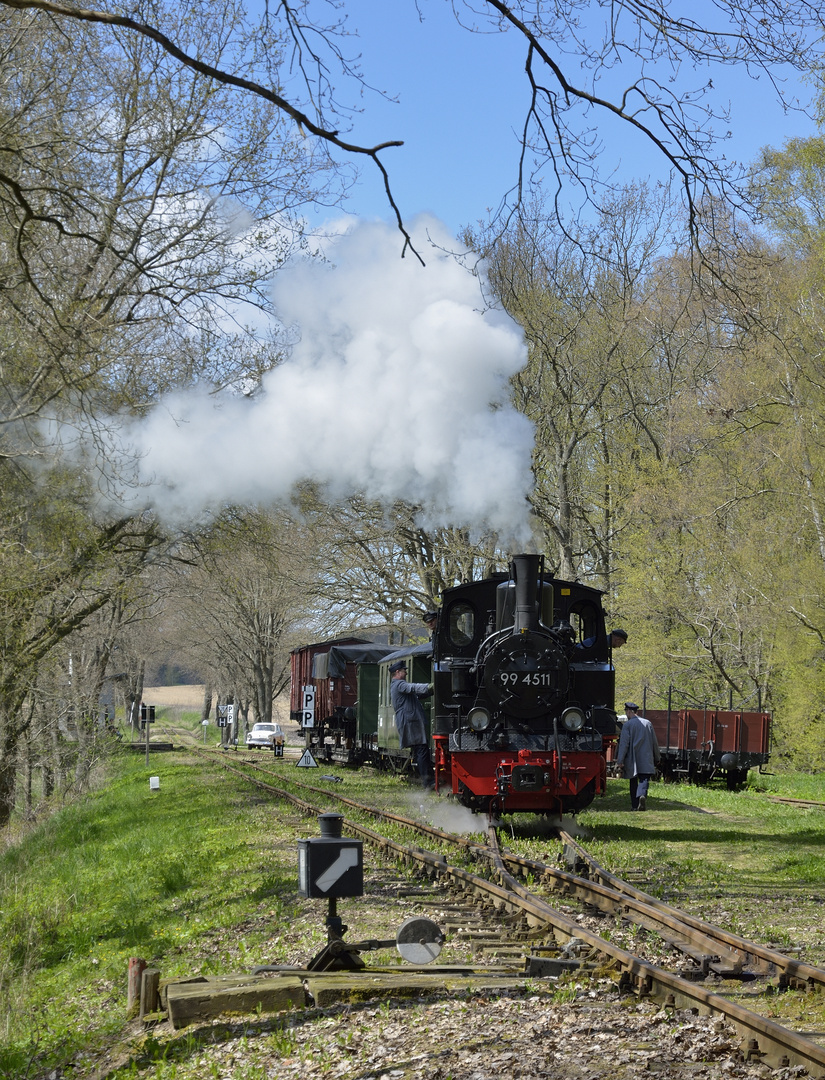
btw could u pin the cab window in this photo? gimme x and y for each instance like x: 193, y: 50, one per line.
x: 461, y: 624
x: 584, y: 618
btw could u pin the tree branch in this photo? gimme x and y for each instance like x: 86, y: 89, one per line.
x: 300, y: 118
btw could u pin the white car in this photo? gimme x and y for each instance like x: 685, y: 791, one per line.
x: 265, y: 737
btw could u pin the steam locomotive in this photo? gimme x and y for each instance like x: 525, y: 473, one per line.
x: 522, y: 713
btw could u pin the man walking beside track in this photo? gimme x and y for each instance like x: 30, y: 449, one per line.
x: 638, y: 754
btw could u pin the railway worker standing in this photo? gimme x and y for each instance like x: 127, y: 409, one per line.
x: 430, y: 618
x: 638, y: 754
x: 410, y: 719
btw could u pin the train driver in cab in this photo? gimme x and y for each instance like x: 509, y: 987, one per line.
x: 616, y: 638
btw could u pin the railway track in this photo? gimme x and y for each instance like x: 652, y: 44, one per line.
x: 803, y: 804
x: 527, y: 914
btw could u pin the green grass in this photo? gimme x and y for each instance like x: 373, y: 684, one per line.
x: 191, y: 878
x: 182, y: 717
x: 789, y: 785
x: 721, y: 838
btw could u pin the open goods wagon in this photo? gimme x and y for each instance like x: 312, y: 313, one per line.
x: 706, y: 744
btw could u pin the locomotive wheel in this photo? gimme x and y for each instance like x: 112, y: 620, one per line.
x: 476, y: 803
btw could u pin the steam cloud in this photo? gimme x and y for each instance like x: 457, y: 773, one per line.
x: 397, y: 388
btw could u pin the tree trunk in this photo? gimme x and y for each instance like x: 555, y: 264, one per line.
x: 48, y: 779
x: 133, y: 699
x: 57, y: 758
x: 8, y: 768
x: 29, y: 747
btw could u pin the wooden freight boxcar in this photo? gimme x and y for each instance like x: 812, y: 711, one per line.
x: 325, y: 689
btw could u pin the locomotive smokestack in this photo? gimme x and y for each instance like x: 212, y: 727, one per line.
x: 525, y: 574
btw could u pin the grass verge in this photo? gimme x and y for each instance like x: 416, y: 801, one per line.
x: 195, y: 877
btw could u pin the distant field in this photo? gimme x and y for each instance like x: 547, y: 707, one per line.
x: 162, y: 696
x: 191, y: 697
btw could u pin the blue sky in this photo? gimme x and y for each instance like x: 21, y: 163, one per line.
x: 462, y: 102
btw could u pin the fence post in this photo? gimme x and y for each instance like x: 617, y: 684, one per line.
x: 136, y: 969
x: 150, y: 981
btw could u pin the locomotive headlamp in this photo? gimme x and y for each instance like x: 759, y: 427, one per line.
x: 479, y: 719
x: 573, y: 719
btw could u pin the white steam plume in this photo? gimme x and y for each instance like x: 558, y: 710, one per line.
x: 397, y: 388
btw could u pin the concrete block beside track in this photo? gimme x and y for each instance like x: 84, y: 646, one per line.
x: 193, y: 1001
x: 198, y: 999
x: 332, y: 988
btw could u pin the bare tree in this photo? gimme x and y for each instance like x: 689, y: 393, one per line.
x: 125, y: 183
x: 647, y: 67
x: 235, y: 602
x: 597, y: 384
x: 381, y: 568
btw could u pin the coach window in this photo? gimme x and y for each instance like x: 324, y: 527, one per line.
x: 461, y: 627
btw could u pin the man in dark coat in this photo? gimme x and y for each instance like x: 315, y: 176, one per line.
x: 410, y: 719
x: 638, y: 754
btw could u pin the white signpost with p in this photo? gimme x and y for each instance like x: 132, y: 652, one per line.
x: 308, y: 707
